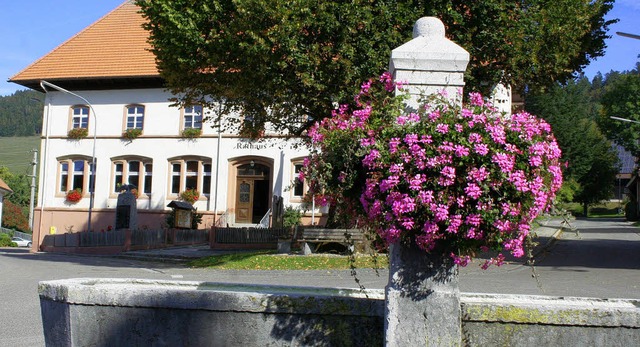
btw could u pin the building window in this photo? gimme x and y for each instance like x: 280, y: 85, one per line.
x: 74, y: 173
x: 190, y: 174
x: 133, y: 171
x: 299, y: 188
x: 135, y: 117
x: 80, y: 117
x: 193, y: 117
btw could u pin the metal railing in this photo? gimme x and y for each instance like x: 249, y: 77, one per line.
x: 264, y: 222
x: 16, y: 233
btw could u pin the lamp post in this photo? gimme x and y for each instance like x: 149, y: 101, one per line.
x: 625, y: 120
x: 92, y: 168
x: 632, y: 36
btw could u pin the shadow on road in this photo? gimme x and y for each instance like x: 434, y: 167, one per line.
x: 87, y: 260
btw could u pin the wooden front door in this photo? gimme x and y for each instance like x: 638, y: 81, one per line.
x: 244, y: 201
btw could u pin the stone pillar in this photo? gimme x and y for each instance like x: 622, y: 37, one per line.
x: 126, y: 210
x: 430, y: 63
x: 422, y: 297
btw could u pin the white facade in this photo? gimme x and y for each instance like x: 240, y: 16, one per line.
x: 161, y: 154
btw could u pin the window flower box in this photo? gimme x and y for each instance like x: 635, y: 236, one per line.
x: 77, y: 133
x: 131, y: 134
x: 191, y: 133
x: 74, y: 195
x: 190, y: 196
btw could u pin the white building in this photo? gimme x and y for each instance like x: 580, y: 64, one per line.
x: 114, y: 87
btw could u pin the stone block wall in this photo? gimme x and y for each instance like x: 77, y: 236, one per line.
x: 111, y: 312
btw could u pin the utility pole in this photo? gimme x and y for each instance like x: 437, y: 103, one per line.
x: 34, y: 165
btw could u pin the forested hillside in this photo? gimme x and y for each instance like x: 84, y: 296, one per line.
x: 21, y: 114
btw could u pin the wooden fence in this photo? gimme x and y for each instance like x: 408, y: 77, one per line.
x: 250, y: 238
x: 118, y: 241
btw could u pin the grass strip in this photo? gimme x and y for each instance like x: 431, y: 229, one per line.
x: 269, y: 260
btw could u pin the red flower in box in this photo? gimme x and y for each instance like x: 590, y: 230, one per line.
x: 74, y: 195
x: 190, y: 195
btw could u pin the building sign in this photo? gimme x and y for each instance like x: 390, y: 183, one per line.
x: 250, y: 145
x: 183, y: 219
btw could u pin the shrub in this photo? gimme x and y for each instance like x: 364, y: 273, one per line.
x: 292, y: 217
x: 5, y: 241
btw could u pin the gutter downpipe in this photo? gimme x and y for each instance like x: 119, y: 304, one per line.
x: 215, y: 202
x: 43, y: 167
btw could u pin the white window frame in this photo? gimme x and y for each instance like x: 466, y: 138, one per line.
x: 182, y: 173
x: 80, y: 119
x: 135, y: 117
x: 295, y: 181
x: 125, y: 174
x: 192, y: 118
x: 67, y: 183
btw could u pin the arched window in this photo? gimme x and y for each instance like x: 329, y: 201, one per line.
x: 74, y: 173
x: 135, y: 171
x: 192, y: 117
x: 190, y: 173
x: 80, y: 117
x: 135, y: 117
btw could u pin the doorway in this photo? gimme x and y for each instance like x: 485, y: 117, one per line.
x: 252, y: 192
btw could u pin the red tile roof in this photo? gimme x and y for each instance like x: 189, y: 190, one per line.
x: 113, y: 47
x: 4, y: 186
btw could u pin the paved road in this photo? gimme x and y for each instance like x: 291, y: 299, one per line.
x: 602, y: 261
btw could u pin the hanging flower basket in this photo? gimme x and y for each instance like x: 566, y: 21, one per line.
x: 77, y: 133
x: 131, y: 134
x: 190, y: 196
x: 191, y: 133
x: 454, y: 180
x: 74, y: 195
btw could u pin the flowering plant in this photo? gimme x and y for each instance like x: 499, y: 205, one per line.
x: 191, y: 133
x: 74, y: 195
x: 453, y: 179
x: 190, y: 195
x: 132, y: 134
x: 77, y: 133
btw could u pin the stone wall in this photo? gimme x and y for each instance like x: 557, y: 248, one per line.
x: 111, y: 312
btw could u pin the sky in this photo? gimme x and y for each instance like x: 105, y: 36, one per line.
x: 29, y: 29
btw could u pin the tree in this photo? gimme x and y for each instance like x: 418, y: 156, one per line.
x: 288, y: 62
x: 621, y: 98
x: 18, y: 200
x: 21, y: 114
x: 591, y: 160
x: 13, y: 217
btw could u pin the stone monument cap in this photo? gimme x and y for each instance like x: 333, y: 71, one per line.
x: 431, y: 27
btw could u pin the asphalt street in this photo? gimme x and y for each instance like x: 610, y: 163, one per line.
x: 601, y: 259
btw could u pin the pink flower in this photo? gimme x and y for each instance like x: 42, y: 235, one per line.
x: 442, y: 128
x: 370, y: 159
x: 461, y: 151
x: 476, y: 99
x: 393, y: 144
x: 481, y: 148
x: 473, y: 191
